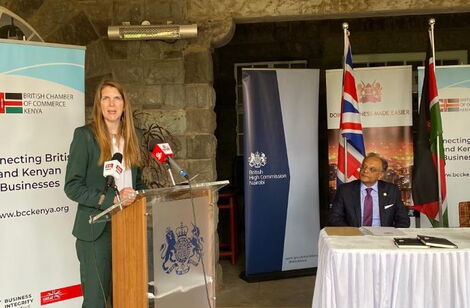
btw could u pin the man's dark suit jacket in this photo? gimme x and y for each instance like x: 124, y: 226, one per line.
x: 346, y: 209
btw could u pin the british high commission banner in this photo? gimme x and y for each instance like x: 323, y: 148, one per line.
x: 453, y: 84
x: 384, y: 96
x: 281, y: 169
x: 41, y: 102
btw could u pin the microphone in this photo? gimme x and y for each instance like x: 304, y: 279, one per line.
x: 112, y: 170
x: 162, y: 152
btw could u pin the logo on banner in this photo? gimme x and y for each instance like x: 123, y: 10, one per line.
x: 11, y: 102
x: 369, y: 93
x: 22, y: 301
x: 257, y: 160
x: 257, y: 176
x: 61, y: 294
x: 32, y: 103
x: 51, y: 296
x: 449, y: 104
x: 181, y: 251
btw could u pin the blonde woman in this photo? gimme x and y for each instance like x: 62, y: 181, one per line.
x: 111, y: 130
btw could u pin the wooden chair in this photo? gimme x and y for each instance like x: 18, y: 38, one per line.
x: 228, y: 202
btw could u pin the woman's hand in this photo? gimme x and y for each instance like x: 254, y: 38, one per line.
x: 125, y: 193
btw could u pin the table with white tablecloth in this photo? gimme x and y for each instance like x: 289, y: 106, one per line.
x: 370, y: 271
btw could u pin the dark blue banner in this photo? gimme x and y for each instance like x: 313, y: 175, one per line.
x: 266, y: 173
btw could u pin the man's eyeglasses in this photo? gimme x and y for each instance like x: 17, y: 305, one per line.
x: 370, y: 169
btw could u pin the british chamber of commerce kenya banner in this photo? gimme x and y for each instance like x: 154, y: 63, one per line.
x: 453, y: 84
x: 385, y: 104
x: 41, y: 102
x: 281, y: 169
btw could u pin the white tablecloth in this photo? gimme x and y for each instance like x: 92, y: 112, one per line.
x: 370, y: 271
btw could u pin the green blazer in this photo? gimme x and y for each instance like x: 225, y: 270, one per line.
x: 84, y: 182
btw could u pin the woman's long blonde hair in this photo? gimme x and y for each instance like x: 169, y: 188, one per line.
x: 132, y: 153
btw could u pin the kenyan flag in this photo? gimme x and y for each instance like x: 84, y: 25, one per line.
x: 11, y: 102
x: 425, y: 186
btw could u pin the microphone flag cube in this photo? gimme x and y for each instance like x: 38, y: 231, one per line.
x: 162, y: 151
x: 112, y: 168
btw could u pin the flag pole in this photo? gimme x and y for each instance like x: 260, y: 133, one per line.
x: 432, y: 21
x: 345, y: 143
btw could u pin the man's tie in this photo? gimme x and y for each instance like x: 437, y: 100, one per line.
x: 367, y: 217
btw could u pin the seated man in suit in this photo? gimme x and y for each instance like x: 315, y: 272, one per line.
x: 369, y: 201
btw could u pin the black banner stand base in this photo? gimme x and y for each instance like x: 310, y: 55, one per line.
x: 278, y: 275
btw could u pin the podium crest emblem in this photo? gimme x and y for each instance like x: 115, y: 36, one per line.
x: 181, y: 251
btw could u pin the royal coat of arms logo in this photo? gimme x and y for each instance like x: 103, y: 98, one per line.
x: 257, y: 160
x: 369, y: 92
x: 181, y: 251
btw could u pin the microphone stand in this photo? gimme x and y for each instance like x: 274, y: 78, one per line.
x: 171, y: 174
x: 117, y: 195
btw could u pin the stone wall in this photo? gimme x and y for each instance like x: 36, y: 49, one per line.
x: 172, y: 82
x: 247, y: 11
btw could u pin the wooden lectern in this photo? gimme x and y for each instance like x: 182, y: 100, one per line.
x: 163, y: 247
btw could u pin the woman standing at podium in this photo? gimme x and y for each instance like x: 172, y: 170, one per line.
x: 111, y: 130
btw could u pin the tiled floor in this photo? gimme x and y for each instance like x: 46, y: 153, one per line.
x: 235, y: 292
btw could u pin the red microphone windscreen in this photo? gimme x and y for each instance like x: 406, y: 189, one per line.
x: 161, y: 151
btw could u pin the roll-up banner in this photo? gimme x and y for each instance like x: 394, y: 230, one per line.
x: 453, y: 84
x: 281, y: 169
x: 384, y: 96
x: 41, y: 102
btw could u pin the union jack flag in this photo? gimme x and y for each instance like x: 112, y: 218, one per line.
x: 351, y: 150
